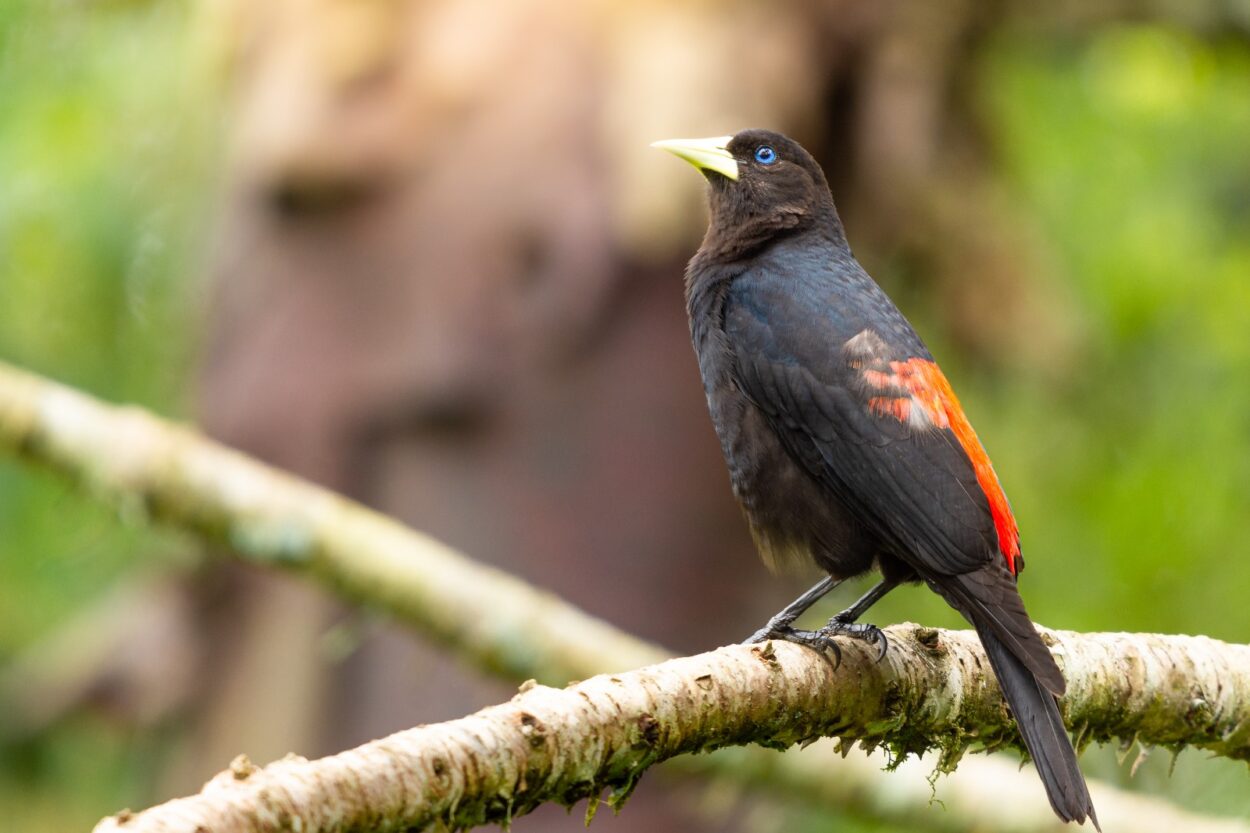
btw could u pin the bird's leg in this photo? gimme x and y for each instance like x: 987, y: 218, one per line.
x: 779, y: 627
x: 852, y: 613
x: 846, y: 624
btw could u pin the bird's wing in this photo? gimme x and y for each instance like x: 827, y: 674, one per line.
x: 863, y: 396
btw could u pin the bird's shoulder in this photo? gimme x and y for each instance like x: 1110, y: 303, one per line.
x: 804, y: 304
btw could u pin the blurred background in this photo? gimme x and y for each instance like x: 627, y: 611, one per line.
x: 421, y: 253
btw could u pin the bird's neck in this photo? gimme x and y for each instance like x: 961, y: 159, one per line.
x: 736, y: 235
x: 721, y: 257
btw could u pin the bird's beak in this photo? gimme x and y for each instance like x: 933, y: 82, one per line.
x: 704, y: 154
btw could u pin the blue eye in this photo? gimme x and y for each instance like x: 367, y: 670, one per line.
x: 765, y: 155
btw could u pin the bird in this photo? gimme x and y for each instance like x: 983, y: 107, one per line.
x: 845, y: 443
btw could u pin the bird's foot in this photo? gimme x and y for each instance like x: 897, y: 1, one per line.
x: 840, y: 626
x: 816, y: 640
x: 776, y: 626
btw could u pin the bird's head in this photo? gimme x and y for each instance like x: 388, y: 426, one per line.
x: 761, y: 184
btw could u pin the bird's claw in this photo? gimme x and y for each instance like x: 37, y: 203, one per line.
x: 816, y: 640
x: 823, y: 640
x: 856, y: 630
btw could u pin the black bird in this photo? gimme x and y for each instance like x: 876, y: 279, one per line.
x: 845, y: 442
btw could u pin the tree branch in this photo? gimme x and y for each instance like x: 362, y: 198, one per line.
x: 932, y: 690
x: 172, y: 474
x: 130, y: 458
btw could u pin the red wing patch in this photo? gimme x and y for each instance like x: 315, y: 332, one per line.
x: 930, y: 395
x: 898, y: 407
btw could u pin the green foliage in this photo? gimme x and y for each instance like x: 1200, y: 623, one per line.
x: 1131, y: 473
x: 105, y: 145
x: 101, y: 211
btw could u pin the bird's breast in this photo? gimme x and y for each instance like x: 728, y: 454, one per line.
x: 793, y: 517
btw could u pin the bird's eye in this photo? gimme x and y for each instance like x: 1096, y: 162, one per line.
x: 765, y: 155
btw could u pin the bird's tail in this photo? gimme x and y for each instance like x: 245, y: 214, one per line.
x: 1037, y: 713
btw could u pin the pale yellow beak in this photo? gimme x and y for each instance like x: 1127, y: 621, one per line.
x: 705, y: 154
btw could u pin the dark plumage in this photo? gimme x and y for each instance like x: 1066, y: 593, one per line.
x: 844, y: 441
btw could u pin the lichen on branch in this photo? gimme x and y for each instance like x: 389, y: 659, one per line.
x: 933, y: 690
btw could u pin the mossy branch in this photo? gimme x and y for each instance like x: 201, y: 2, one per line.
x: 139, y: 462
x: 933, y: 690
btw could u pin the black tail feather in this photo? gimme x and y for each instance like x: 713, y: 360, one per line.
x: 1037, y: 713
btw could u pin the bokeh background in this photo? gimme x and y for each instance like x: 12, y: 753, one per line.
x: 421, y: 253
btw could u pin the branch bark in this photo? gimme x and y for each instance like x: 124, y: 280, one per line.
x: 170, y: 473
x: 933, y: 689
